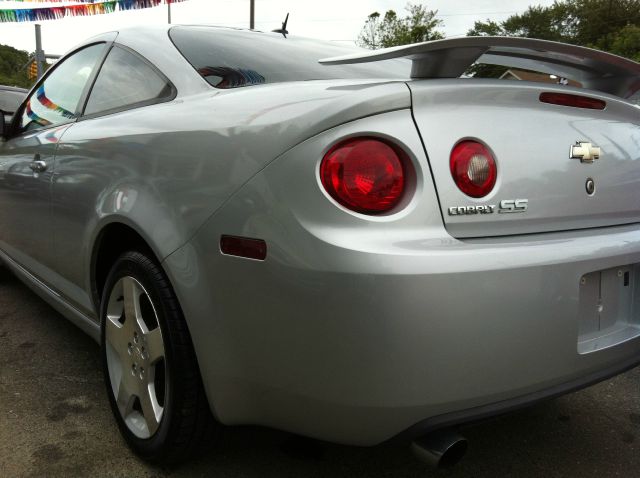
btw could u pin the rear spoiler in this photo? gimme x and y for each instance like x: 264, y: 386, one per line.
x: 450, y: 58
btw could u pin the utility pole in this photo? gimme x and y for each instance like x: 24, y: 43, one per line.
x: 169, y: 10
x: 40, y: 58
x: 252, y: 14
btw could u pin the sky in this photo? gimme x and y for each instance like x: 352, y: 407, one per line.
x: 336, y: 20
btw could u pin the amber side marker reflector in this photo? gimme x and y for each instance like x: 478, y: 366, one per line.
x: 244, y: 247
x: 575, y: 101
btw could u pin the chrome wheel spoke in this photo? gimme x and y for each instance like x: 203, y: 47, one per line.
x: 131, y: 301
x: 117, y: 336
x: 151, y: 411
x: 124, y: 398
x: 155, y: 345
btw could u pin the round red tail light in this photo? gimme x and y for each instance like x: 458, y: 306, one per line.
x: 366, y: 175
x: 473, y: 168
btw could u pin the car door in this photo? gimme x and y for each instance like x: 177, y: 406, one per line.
x: 27, y: 159
x: 107, y: 148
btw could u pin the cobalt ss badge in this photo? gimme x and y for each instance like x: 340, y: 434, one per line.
x: 506, y: 206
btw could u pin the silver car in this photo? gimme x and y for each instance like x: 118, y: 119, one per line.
x: 343, y: 244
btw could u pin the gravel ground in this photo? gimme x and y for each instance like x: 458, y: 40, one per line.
x: 55, y: 421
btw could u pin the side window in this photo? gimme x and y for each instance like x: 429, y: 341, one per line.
x: 55, y: 101
x: 125, y: 80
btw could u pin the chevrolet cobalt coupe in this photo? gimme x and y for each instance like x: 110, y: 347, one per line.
x: 344, y: 244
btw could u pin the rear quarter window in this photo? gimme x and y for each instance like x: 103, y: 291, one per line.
x: 126, y: 81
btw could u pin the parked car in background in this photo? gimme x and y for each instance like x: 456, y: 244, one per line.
x: 10, y: 99
x: 344, y: 244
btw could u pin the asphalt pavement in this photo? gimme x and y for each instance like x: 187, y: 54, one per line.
x: 55, y: 421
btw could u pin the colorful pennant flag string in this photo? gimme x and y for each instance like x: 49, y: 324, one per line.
x: 52, y: 1
x: 88, y: 7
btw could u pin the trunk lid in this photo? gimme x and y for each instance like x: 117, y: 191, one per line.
x: 531, y: 142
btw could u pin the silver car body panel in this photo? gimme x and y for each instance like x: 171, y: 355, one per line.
x: 206, y: 158
x: 355, y: 327
x: 25, y: 215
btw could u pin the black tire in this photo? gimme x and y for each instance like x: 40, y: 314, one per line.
x: 186, y: 420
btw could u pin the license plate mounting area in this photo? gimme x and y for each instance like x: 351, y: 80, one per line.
x: 608, y: 311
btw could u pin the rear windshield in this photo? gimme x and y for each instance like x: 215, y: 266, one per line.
x: 10, y: 100
x: 229, y: 58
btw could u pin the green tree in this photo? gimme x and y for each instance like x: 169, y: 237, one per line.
x: 609, y: 25
x: 627, y: 42
x: 547, y: 23
x: 486, y: 29
x: 597, y: 24
x: 12, y: 67
x: 418, y: 26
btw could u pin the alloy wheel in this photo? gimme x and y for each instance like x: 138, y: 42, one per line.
x: 136, y: 357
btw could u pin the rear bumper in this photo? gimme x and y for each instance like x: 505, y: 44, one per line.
x: 357, y: 347
x: 505, y: 406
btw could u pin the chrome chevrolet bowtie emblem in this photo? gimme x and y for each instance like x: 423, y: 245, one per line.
x: 585, y: 152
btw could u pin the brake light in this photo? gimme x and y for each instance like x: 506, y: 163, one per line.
x: 473, y: 168
x: 577, y: 101
x: 365, y: 175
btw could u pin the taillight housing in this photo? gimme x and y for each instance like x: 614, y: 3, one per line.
x: 365, y: 174
x: 473, y: 168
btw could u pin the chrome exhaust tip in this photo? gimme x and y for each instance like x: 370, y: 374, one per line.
x: 440, y: 449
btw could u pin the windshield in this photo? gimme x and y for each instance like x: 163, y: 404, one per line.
x: 229, y: 58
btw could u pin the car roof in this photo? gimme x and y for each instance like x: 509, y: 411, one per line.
x: 162, y: 31
x: 13, y: 88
